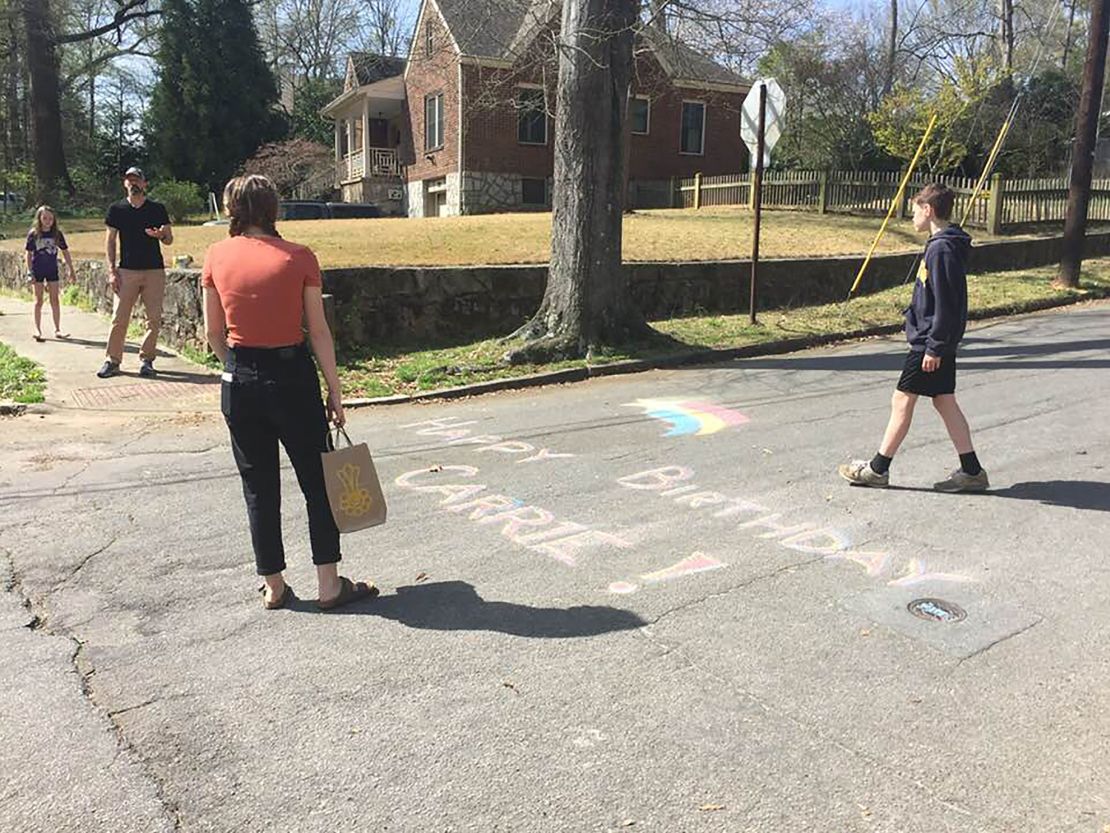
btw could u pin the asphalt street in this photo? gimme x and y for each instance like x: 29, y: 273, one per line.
x: 639, y: 603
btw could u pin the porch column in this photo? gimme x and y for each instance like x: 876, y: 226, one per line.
x: 350, y: 146
x: 338, y: 148
x: 366, y: 138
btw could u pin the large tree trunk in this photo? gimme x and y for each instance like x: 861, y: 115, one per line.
x: 1067, y: 36
x: 891, y: 48
x: 588, y: 303
x: 1006, y: 35
x: 1083, y: 150
x: 51, y: 172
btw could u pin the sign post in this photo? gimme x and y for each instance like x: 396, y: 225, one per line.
x: 760, y: 127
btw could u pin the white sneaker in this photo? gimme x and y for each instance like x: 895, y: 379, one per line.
x: 860, y: 473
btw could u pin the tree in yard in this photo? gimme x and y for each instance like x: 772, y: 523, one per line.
x: 304, y: 120
x: 42, y: 40
x: 290, y: 163
x: 213, y: 104
x: 588, y: 303
x: 1083, y: 151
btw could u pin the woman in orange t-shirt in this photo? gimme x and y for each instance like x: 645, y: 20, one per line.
x: 257, y: 289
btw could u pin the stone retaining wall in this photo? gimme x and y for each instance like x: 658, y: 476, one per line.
x: 429, y: 305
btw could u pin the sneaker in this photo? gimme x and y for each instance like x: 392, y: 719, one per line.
x: 110, y: 368
x: 146, y: 369
x: 860, y: 473
x: 961, y: 481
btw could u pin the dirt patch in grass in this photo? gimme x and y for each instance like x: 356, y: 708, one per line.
x: 399, y: 369
x: 676, y: 234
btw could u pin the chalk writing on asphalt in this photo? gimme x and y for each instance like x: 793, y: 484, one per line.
x: 528, y: 526
x: 673, y: 483
x: 452, y: 431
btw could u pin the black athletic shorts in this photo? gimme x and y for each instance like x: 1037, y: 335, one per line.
x: 939, y: 382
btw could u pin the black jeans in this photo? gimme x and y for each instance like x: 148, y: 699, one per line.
x: 270, y: 395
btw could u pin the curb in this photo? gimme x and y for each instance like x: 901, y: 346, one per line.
x: 705, y: 356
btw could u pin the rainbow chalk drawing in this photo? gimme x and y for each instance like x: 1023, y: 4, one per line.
x: 687, y: 416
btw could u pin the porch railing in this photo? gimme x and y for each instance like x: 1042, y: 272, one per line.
x: 372, y: 162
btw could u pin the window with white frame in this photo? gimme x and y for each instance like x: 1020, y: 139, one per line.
x: 693, y: 128
x: 639, y: 114
x: 433, y: 122
x: 531, y: 125
x: 429, y: 40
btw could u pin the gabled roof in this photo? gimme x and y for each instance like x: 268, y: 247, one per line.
x: 682, y: 63
x: 502, y: 29
x: 484, y: 28
x: 369, y: 67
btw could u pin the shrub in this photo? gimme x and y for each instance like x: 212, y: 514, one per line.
x: 180, y: 198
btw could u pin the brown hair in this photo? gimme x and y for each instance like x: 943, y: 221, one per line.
x: 36, y: 226
x: 940, y: 197
x: 251, y: 200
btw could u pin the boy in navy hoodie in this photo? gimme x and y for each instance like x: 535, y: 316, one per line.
x: 935, y: 322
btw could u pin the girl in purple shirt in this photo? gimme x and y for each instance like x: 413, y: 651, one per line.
x: 44, y: 241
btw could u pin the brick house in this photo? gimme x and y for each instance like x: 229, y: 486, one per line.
x: 466, y: 124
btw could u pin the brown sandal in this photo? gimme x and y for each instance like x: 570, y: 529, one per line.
x: 286, y: 597
x: 350, y: 591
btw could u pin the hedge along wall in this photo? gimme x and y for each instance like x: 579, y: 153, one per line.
x: 426, y: 306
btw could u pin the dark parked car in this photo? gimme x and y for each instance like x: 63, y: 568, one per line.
x: 319, y: 210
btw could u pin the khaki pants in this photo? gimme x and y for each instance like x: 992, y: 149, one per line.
x: 150, y: 285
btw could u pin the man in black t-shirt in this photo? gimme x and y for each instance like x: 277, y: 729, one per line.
x: 142, y: 227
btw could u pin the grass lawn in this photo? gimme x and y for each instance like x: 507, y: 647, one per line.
x: 21, y: 380
x: 673, y: 234
x: 392, y: 369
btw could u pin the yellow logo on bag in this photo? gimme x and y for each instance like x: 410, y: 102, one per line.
x: 922, y: 272
x: 354, y: 500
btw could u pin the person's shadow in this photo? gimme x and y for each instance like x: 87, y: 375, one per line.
x: 1077, y: 494
x: 456, y: 606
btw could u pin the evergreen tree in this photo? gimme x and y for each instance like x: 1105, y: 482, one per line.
x: 214, y: 102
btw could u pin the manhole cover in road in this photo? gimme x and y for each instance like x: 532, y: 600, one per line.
x: 936, y: 610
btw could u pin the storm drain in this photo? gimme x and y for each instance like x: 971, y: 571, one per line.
x: 936, y: 610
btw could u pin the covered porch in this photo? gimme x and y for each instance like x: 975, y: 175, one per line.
x: 369, y: 126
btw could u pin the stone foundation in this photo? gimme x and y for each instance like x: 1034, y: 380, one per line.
x: 428, y: 305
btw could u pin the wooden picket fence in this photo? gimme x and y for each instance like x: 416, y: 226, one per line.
x: 1003, y: 203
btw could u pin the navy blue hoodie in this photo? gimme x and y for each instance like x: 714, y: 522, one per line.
x: 937, y: 315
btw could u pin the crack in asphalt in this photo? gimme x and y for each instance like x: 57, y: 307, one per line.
x: 85, y: 561
x: 999, y: 641
x: 810, y: 730
x: 85, y: 671
x: 741, y: 586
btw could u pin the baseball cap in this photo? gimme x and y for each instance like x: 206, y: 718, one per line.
x: 133, y: 171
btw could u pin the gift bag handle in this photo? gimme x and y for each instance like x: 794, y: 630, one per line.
x: 333, y: 441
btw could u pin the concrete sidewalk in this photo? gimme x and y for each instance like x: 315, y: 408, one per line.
x: 71, y: 365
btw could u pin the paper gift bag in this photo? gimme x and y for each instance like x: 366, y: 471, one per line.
x: 354, y: 493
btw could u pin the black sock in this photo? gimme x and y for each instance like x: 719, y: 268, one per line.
x: 970, y: 463
x: 880, y: 463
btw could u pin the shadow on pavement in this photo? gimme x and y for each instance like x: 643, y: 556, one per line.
x: 101, y: 344
x: 1076, y: 494
x: 1013, y: 357
x: 456, y: 606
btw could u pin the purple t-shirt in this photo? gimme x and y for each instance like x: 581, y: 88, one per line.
x: 44, y: 252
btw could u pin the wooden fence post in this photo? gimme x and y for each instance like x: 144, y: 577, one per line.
x: 823, y: 192
x: 674, y: 191
x: 994, y: 205
x: 697, y: 190
x: 902, y: 205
